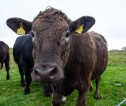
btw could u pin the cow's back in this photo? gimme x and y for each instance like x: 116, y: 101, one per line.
x: 101, y: 54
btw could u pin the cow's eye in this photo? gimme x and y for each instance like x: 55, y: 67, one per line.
x: 33, y: 33
x: 67, y: 34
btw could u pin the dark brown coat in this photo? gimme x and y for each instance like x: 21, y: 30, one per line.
x: 5, y: 57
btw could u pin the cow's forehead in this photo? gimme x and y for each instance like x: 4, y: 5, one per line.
x: 54, y: 28
x: 50, y: 17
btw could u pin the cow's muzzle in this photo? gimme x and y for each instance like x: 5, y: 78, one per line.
x: 47, y: 73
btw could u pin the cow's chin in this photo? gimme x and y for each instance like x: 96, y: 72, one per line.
x: 35, y: 78
x: 51, y: 79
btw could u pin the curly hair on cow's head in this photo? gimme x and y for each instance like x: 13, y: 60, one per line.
x: 52, y: 12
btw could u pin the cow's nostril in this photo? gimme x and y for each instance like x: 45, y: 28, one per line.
x: 53, y: 71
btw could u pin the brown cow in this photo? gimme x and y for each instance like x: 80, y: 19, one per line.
x: 5, y: 57
x: 64, y: 54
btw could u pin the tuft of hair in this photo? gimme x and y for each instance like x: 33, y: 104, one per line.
x: 52, y: 14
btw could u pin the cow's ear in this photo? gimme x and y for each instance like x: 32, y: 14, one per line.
x: 19, y: 26
x: 82, y: 24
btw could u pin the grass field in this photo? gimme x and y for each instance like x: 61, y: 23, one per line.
x: 112, y: 87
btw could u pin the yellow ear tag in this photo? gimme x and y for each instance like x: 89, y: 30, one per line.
x: 21, y: 31
x: 79, y: 29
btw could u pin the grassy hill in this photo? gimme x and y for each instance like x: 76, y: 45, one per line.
x: 112, y: 87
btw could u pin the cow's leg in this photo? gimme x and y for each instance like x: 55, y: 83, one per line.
x: 97, y: 94
x: 47, y: 90
x: 28, y: 80
x: 91, y: 86
x: 0, y: 66
x: 84, y: 87
x: 7, y: 66
x: 57, y: 98
x: 22, y: 82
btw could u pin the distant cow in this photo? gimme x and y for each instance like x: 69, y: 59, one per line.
x: 22, y: 53
x: 5, y: 57
x: 65, y: 54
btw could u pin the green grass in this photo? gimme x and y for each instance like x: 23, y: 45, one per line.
x: 112, y: 87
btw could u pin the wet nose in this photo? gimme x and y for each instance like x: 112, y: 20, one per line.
x: 45, y: 72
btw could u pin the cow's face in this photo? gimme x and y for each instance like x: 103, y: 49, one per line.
x: 51, y: 31
x: 50, y: 43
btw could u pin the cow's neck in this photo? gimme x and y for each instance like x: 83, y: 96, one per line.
x: 64, y: 56
x: 73, y: 55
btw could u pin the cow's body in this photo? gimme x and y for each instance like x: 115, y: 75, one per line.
x: 22, y: 53
x: 5, y: 57
x: 87, y: 57
x: 65, y: 54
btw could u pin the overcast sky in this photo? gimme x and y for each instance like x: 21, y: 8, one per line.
x: 110, y: 16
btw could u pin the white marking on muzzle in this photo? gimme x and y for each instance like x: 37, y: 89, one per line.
x: 63, y: 98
